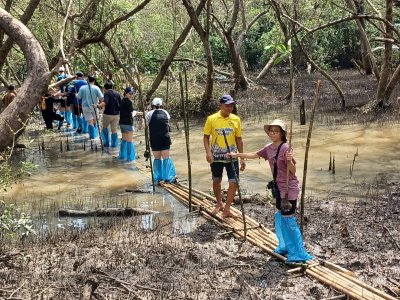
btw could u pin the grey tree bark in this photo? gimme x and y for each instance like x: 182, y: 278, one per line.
x: 170, y: 57
x: 13, y: 118
x: 26, y: 16
x: 203, y: 34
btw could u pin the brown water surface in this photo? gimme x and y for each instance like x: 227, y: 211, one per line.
x: 89, y: 179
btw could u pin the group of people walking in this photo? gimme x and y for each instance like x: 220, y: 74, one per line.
x: 81, y: 102
x: 222, y: 139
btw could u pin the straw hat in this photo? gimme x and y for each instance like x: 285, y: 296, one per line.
x: 275, y: 122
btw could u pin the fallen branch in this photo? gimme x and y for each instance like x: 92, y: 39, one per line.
x: 252, y: 292
x: 391, y: 236
x: 8, y: 256
x: 88, y: 289
x: 138, y: 286
x: 105, y: 212
x: 138, y: 191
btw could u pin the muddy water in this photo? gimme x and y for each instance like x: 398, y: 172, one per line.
x: 89, y: 179
x: 377, y: 146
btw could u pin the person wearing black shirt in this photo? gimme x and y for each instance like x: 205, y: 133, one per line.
x: 111, y: 103
x: 127, y: 149
x: 47, y: 107
x: 160, y: 142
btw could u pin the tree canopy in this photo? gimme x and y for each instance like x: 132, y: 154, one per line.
x: 238, y: 40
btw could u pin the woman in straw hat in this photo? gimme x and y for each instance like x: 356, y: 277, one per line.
x: 280, y: 159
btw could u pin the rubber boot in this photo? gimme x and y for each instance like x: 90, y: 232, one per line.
x: 122, y: 150
x: 157, y: 170
x: 281, y: 249
x: 74, y: 121
x: 168, y: 170
x: 69, y: 117
x: 85, y: 124
x: 114, y: 140
x: 91, y: 132
x: 105, y: 137
x: 95, y: 131
x: 130, y: 151
x: 294, y: 241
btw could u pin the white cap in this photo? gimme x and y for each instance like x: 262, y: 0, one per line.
x: 276, y: 122
x: 157, y: 102
x: 61, y: 69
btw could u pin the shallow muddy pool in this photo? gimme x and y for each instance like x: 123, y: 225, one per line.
x: 83, y: 179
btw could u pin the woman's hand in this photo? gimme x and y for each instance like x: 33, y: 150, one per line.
x: 242, y: 165
x: 289, y: 157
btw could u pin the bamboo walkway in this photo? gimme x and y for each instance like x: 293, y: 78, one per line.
x: 340, y: 279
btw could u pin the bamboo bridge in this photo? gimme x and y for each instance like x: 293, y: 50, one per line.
x: 342, y: 280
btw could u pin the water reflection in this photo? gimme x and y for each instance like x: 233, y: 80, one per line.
x: 91, y: 179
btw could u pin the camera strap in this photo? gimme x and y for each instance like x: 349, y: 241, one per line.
x: 276, y: 161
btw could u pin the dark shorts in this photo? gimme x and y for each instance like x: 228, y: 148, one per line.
x: 70, y: 101
x: 160, y: 147
x: 292, y: 211
x: 126, y: 128
x: 217, y: 168
x: 77, y: 109
x: 63, y: 102
x: 160, y: 143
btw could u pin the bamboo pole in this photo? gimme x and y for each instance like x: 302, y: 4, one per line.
x: 326, y: 272
x: 364, y: 285
x: 365, y: 290
x: 286, y: 205
x: 334, y: 284
x: 146, y: 127
x: 186, y: 119
x: 186, y: 127
x: 303, y: 186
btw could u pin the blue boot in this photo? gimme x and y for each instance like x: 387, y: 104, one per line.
x: 114, y: 140
x: 91, y: 132
x: 294, y: 241
x: 130, y: 151
x: 68, y: 115
x: 85, y: 124
x: 105, y: 137
x: 122, y: 150
x: 95, y: 131
x: 281, y: 249
x: 157, y: 170
x: 74, y: 121
x: 169, y: 173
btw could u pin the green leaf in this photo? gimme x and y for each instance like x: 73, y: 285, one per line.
x: 281, y: 48
x: 279, y: 59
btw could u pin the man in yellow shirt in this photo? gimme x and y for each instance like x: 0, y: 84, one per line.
x: 216, y: 151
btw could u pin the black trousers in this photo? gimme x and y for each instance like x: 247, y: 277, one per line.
x: 49, y: 117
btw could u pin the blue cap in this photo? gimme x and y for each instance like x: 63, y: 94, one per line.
x: 226, y: 99
x: 129, y: 90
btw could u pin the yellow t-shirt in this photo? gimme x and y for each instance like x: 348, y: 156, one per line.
x: 215, y: 125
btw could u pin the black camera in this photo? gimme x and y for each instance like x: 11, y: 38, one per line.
x: 273, y: 186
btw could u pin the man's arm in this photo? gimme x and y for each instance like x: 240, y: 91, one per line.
x: 206, y: 142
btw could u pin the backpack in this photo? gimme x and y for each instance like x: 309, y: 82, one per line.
x: 43, y: 103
